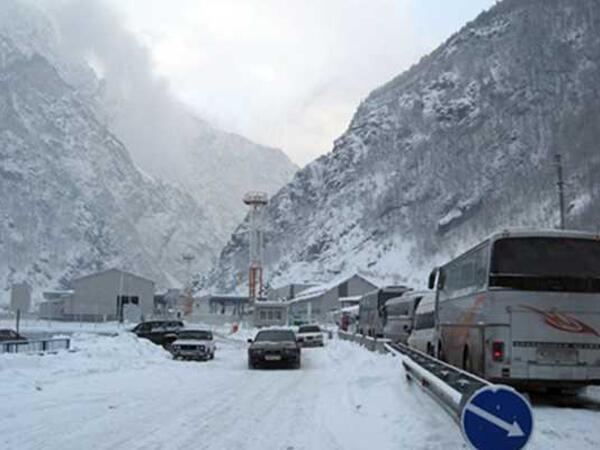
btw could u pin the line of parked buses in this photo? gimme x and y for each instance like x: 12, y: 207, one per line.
x: 521, y: 308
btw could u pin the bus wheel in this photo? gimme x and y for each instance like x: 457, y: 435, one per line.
x: 429, y: 349
x: 440, y: 354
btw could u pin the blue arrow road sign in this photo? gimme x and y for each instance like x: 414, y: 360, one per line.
x: 497, y: 418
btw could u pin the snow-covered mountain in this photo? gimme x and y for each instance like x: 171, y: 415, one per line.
x: 72, y: 199
x: 164, y: 137
x: 460, y: 145
x: 215, y: 167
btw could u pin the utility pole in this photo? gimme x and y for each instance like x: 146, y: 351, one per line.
x: 561, y: 188
x: 188, y: 307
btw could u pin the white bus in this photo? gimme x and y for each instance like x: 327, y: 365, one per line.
x: 399, y: 315
x: 423, y: 333
x: 523, y: 308
x: 371, y: 313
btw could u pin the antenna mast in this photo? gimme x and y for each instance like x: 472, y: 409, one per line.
x: 257, y: 202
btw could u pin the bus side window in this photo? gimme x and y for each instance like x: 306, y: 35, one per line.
x: 425, y: 321
x: 467, y: 274
x: 481, y: 268
x: 452, y: 282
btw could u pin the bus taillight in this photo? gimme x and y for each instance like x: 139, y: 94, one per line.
x: 497, y: 351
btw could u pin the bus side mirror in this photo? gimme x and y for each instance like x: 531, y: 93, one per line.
x: 432, y: 278
x: 437, y: 274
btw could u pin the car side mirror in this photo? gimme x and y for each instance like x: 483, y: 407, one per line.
x: 249, y: 341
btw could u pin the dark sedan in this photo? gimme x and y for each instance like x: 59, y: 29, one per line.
x: 160, y: 332
x: 274, y: 347
x: 10, y: 335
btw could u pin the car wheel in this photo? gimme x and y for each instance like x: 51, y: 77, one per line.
x: 251, y: 365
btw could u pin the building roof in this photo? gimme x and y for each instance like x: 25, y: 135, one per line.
x: 232, y: 298
x: 319, y: 290
x: 114, y: 269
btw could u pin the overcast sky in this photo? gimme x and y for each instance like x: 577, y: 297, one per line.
x: 287, y: 73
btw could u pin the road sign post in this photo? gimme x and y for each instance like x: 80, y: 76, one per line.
x: 497, y: 418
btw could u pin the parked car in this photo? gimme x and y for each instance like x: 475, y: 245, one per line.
x: 193, y: 344
x: 310, y: 336
x: 160, y: 332
x: 7, y: 335
x: 422, y: 336
x: 274, y: 346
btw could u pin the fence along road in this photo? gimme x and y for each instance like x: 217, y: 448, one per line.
x: 35, y: 346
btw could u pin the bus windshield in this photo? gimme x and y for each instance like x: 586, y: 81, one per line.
x: 546, y: 264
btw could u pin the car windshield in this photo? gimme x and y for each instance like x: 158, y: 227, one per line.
x: 275, y: 336
x: 309, y: 329
x: 195, y: 334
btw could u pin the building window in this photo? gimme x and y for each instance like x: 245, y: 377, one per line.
x: 263, y: 315
x: 343, y: 290
x: 270, y: 315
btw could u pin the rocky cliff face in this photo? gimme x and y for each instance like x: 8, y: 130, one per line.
x: 457, y: 147
x: 72, y: 199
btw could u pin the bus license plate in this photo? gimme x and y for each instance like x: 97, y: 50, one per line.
x: 272, y: 357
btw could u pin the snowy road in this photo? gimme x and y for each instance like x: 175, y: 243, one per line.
x: 118, y: 392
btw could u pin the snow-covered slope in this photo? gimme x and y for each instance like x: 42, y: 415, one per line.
x: 459, y: 146
x: 72, y: 199
x: 217, y: 168
x: 164, y: 136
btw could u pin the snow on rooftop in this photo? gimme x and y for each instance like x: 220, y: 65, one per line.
x: 323, y: 288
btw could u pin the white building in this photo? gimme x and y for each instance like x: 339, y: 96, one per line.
x: 109, y: 295
x: 318, y: 302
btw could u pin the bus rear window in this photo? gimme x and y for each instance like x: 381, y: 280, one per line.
x: 541, y: 263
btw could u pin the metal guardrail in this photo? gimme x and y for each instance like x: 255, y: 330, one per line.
x: 450, y: 386
x: 373, y: 344
x: 35, y: 346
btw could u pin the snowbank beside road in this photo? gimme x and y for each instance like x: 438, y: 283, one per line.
x: 89, y: 354
x: 120, y: 392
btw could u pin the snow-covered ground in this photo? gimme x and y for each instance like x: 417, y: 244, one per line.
x: 120, y: 392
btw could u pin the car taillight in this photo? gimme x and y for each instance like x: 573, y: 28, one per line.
x: 497, y: 351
